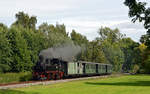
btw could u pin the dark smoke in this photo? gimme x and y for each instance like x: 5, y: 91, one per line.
x: 65, y: 52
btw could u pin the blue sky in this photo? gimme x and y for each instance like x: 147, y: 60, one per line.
x: 85, y: 16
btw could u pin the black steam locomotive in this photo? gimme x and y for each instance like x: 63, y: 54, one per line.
x: 55, y: 68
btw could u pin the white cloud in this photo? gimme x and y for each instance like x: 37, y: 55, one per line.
x: 133, y: 30
x: 85, y: 16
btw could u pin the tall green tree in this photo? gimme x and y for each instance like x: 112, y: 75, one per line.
x: 5, y: 50
x: 36, y: 41
x: 131, y: 53
x: 55, y: 35
x: 21, y: 60
x: 138, y: 11
x: 110, y: 42
x: 25, y: 20
x: 78, y: 38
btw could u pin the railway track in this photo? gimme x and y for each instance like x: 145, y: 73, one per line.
x: 33, y: 83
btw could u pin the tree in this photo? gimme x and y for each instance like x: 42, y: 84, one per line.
x: 59, y: 28
x: 131, y: 53
x: 56, y: 35
x: 109, y: 41
x: 36, y: 41
x: 139, y: 12
x: 109, y: 34
x: 5, y: 50
x: 87, y: 48
x: 144, y: 38
x: 44, y: 28
x: 97, y: 52
x: 78, y: 39
x: 21, y: 60
x: 25, y: 20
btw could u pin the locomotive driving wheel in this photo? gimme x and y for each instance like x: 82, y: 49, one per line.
x: 57, y: 76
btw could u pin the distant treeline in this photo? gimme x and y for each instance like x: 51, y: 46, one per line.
x: 21, y: 43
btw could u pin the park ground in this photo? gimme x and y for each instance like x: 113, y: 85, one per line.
x: 126, y: 84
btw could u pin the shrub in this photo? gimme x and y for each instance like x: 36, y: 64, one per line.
x: 4, y: 68
x: 147, y: 64
x: 26, y: 77
x: 135, y: 69
x: 142, y: 71
x: 14, y: 77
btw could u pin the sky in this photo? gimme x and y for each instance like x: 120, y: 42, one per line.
x: 84, y: 16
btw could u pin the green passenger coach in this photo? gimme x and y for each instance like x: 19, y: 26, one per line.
x: 87, y: 68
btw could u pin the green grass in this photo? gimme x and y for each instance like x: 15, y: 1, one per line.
x: 132, y: 84
x: 12, y: 77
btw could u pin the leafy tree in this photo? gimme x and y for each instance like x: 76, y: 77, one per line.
x: 59, y: 28
x: 144, y: 38
x: 114, y: 54
x: 78, y: 38
x: 55, y: 35
x: 110, y: 42
x: 138, y: 11
x: 4, y: 27
x: 147, y: 63
x: 87, y: 47
x: 25, y: 20
x: 144, y: 65
x: 36, y: 41
x: 44, y: 28
x: 97, y: 52
x: 131, y: 53
x: 5, y: 50
x: 109, y: 34
x: 21, y: 60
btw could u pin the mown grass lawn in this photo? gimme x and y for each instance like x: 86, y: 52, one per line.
x: 131, y: 84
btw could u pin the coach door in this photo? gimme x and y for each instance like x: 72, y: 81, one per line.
x: 78, y: 68
x: 83, y: 64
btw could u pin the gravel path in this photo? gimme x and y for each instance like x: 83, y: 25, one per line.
x: 19, y: 85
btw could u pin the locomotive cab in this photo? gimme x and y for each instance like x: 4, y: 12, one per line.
x: 49, y: 68
x: 52, y: 64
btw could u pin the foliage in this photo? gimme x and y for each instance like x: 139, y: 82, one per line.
x: 21, y: 60
x: 109, y: 40
x: 5, y: 50
x: 146, y: 61
x: 135, y: 69
x: 131, y: 52
x: 138, y: 11
x: 25, y: 21
x: 147, y: 64
x: 36, y: 41
x: 4, y: 68
x: 21, y: 44
x: 78, y: 39
x: 26, y: 77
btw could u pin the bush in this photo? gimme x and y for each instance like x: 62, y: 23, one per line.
x: 26, y: 77
x: 147, y: 65
x: 142, y: 71
x: 14, y: 77
x: 4, y: 68
x: 135, y: 69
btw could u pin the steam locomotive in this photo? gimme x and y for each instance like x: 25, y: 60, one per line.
x: 56, y: 68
